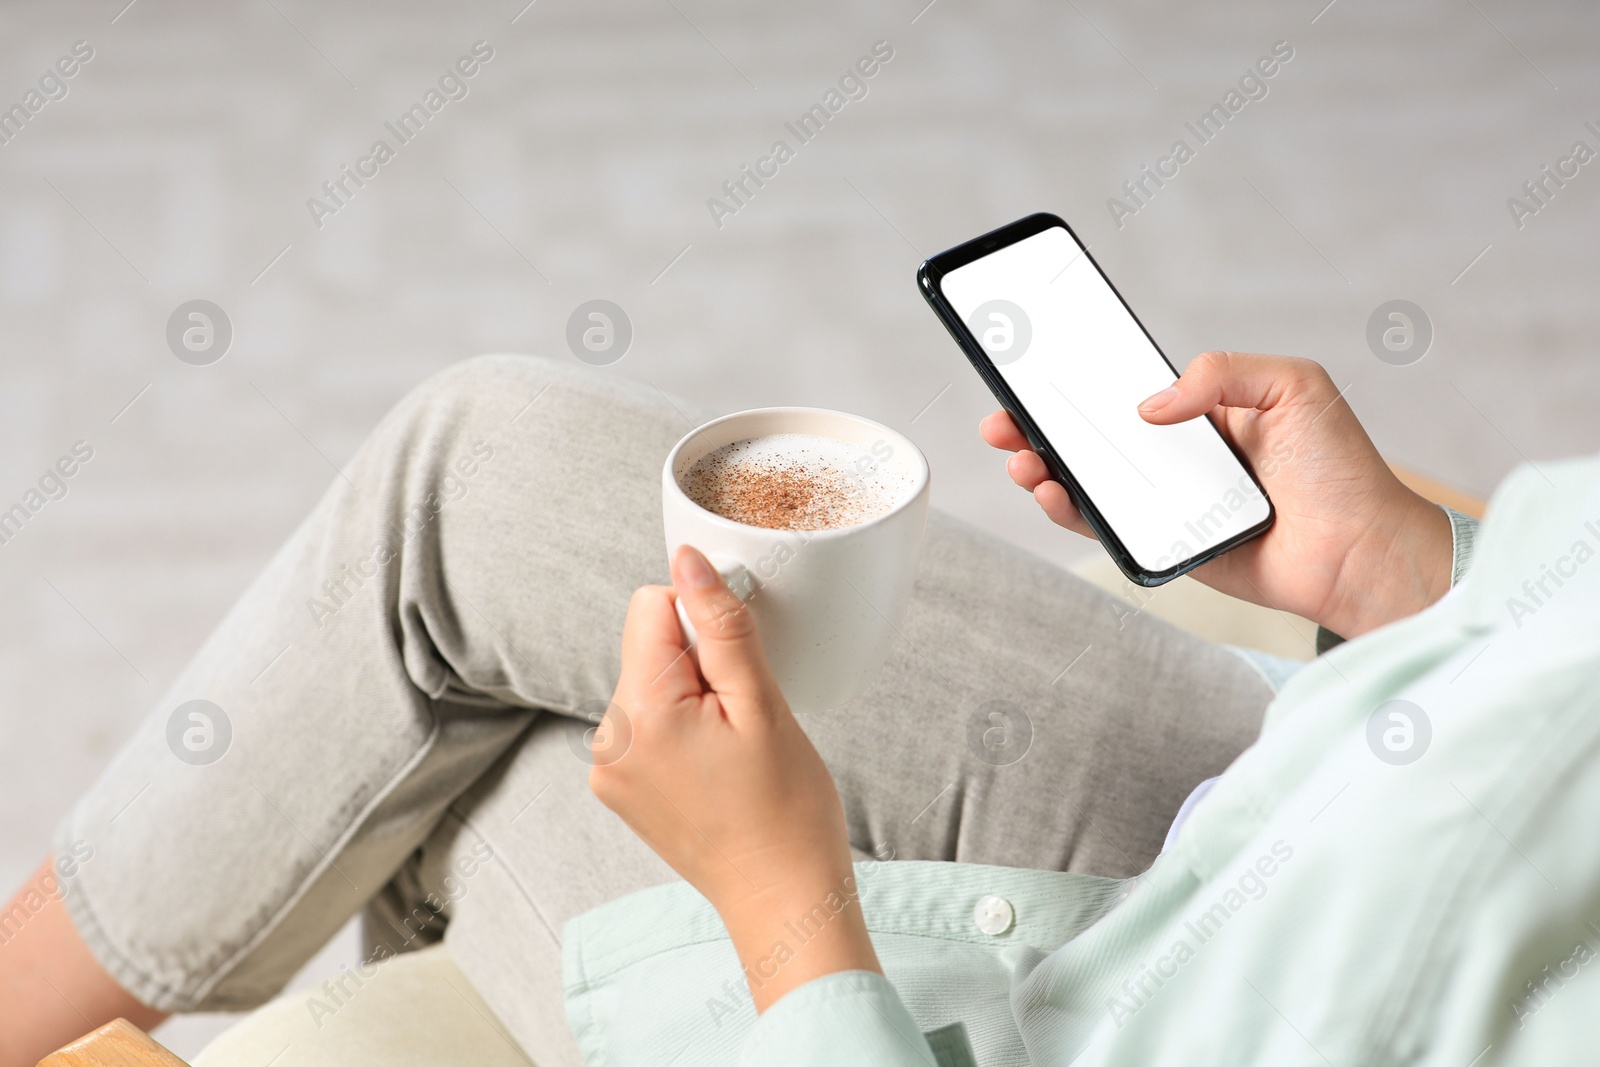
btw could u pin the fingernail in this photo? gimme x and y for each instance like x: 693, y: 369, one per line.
x: 1159, y: 400
x: 694, y: 569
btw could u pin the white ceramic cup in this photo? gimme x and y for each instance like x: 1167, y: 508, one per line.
x: 827, y: 603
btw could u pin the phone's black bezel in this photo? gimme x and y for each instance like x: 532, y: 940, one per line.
x: 929, y: 276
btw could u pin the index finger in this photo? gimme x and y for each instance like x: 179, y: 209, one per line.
x: 656, y: 667
x: 1000, y: 431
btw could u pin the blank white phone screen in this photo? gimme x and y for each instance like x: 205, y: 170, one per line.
x: 1080, y: 365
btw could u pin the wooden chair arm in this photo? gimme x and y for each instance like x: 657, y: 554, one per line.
x: 116, y: 1044
x: 1440, y: 493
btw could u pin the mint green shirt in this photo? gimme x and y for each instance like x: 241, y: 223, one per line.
x: 1372, y: 882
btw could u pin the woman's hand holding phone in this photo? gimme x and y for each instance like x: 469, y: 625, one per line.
x: 1353, y: 548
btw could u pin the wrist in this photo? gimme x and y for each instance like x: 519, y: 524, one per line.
x: 1400, y: 568
x: 790, y: 935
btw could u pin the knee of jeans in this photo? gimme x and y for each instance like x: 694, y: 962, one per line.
x: 497, y: 371
x: 495, y: 390
x: 494, y: 380
x: 517, y: 373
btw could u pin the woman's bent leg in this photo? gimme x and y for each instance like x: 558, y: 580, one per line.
x: 471, y: 565
x: 1028, y: 719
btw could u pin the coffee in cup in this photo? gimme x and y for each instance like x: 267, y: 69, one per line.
x: 795, y: 481
x: 815, y: 518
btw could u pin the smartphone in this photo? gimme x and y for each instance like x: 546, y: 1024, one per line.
x: 1063, y: 353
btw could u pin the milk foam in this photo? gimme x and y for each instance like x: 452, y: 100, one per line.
x: 797, y: 481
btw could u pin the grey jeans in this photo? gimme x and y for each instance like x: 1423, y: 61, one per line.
x: 392, y: 717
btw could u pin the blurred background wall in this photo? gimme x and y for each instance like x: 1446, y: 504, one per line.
x: 176, y: 163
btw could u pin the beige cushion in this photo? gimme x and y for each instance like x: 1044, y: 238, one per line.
x: 417, y: 1010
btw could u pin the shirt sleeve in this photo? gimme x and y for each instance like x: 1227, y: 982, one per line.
x: 1463, y: 542
x: 848, y: 1019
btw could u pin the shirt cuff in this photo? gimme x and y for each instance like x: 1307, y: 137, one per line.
x: 847, y: 1019
x: 1463, y: 543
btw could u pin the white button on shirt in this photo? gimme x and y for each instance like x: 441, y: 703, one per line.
x: 994, y: 915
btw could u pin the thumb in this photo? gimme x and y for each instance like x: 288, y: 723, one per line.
x: 1238, y: 380
x: 730, y: 652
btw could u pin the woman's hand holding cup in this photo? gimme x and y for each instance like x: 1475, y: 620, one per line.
x: 709, y: 767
